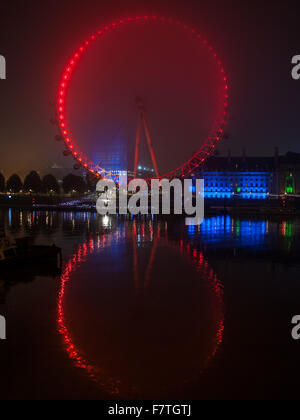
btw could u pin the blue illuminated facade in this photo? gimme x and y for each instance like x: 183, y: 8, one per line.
x: 243, y: 185
x: 241, y: 178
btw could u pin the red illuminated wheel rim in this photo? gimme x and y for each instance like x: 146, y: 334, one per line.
x: 207, y: 145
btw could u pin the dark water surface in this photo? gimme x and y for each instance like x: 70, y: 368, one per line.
x: 150, y: 308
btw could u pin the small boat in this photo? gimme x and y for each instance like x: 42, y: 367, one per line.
x: 25, y: 253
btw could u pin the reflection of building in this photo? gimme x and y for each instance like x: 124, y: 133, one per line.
x: 220, y: 229
x: 251, y: 177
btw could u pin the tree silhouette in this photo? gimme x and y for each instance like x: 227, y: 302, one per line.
x: 91, y: 181
x: 81, y: 186
x: 50, y: 184
x: 74, y: 183
x: 33, y: 182
x: 2, y: 183
x: 14, y: 184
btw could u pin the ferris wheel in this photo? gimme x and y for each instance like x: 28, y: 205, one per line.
x: 207, y: 145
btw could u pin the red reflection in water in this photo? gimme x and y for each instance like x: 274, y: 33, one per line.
x: 73, y: 352
x: 112, y: 385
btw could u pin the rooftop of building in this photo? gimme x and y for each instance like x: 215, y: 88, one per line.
x: 254, y: 164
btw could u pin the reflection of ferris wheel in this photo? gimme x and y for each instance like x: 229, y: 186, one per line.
x: 157, y: 236
x: 208, y: 145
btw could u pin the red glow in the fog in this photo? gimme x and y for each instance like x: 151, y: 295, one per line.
x: 209, y: 143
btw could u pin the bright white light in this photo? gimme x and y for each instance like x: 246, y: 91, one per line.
x: 106, y: 221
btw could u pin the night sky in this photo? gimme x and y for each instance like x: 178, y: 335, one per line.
x: 256, y: 42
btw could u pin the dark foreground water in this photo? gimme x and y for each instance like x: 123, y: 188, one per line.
x: 152, y: 309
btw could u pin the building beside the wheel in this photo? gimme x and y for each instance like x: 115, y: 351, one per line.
x: 250, y: 178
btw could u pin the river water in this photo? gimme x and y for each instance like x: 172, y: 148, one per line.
x: 151, y: 308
